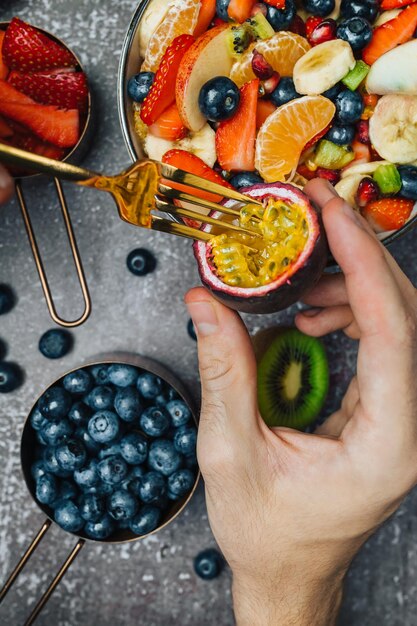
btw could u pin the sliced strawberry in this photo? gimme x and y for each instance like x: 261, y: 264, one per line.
x: 31, y: 143
x: 264, y: 109
x: 8, y: 93
x: 162, y: 92
x: 192, y: 163
x: 169, y: 125
x: 5, y: 129
x: 240, y: 10
x: 235, y: 138
x: 278, y: 4
x: 387, y: 5
x: 391, y: 34
x: 68, y: 90
x: 4, y: 70
x: 388, y: 213
x: 51, y: 124
x: 205, y: 16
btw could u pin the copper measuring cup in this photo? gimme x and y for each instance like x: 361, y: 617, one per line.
x: 27, y: 456
x: 74, y: 156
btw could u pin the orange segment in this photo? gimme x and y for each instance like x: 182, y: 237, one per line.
x: 180, y: 19
x: 282, y: 51
x: 284, y: 134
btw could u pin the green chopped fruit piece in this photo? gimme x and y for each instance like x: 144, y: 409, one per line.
x: 332, y: 156
x: 260, y: 26
x: 388, y: 179
x: 238, y: 38
x: 353, y: 79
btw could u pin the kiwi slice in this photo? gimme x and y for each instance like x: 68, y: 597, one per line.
x: 238, y: 38
x: 293, y: 380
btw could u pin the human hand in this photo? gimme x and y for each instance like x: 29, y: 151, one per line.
x: 288, y: 509
x: 6, y: 185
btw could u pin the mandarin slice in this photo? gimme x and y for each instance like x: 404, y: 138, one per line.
x: 181, y: 18
x: 282, y: 51
x: 284, y: 134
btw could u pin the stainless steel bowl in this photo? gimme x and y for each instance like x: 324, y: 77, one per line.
x: 130, y: 62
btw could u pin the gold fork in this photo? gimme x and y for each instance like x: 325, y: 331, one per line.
x: 142, y: 188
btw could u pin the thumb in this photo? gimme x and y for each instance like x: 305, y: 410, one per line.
x: 227, y: 365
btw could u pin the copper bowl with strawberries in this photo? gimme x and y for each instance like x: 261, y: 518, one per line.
x: 45, y: 100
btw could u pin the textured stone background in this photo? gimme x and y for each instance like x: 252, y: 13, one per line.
x: 150, y: 582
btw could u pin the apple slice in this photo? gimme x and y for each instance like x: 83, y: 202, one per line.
x: 395, y: 71
x: 206, y: 58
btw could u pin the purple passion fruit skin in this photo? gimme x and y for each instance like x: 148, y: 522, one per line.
x: 291, y: 285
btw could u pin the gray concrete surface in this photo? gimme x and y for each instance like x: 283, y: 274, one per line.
x: 150, y: 583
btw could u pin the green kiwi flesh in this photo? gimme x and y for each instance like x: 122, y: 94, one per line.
x: 293, y: 380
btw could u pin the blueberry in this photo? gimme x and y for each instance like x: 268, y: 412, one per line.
x: 37, y: 420
x: 284, y: 92
x: 38, y: 469
x: 134, y: 448
x: 92, y: 507
x: 139, y: 85
x: 54, y: 432
x: 219, y: 99
x: 87, y: 476
x: 78, y: 382
x: 245, y: 179
x: 191, y: 461
x: 55, y: 403
x: 101, y: 489
x: 71, y: 455
x: 100, y: 398
x: 104, y: 426
x: 181, y: 482
x: 123, y: 375
x: 46, y: 489
x: 154, y: 421
x: 55, y: 343
x: 221, y: 9
x: 146, y: 520
x: 360, y: 8
x: 11, y: 377
x: 408, y: 175
x: 179, y: 412
x: 208, y: 564
x: 110, y: 450
x: 185, y: 440
x: 191, y: 330
x: 131, y: 482
x: 341, y: 135
x: 67, y: 515
x: 319, y: 7
x: 280, y: 19
x: 102, y: 529
x: 163, y: 457
x: 128, y: 404
x: 356, y: 31
x: 140, y: 262
x: 79, y: 413
x: 149, y: 385
x: 51, y: 464
x: 3, y: 350
x: 333, y: 92
x: 113, y: 470
x: 150, y: 487
x: 349, y: 106
x: 7, y: 299
x: 122, y: 505
x: 82, y: 434
x: 67, y: 490
x: 100, y: 373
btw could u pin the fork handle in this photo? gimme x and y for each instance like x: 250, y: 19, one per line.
x: 43, y: 165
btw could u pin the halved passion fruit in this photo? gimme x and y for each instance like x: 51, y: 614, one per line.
x: 268, y: 273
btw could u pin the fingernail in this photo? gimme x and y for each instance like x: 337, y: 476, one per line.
x: 352, y: 214
x: 204, y: 317
x: 311, y: 312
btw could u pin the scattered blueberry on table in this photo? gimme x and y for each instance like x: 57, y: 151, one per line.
x: 208, y: 564
x: 3, y: 349
x: 101, y: 470
x: 11, y: 376
x: 7, y: 299
x: 140, y: 262
x: 55, y: 343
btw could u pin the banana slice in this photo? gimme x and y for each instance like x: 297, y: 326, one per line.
x: 153, y: 16
x: 364, y: 169
x: 395, y: 71
x: 202, y: 144
x: 347, y: 188
x: 393, y: 128
x: 155, y: 147
x: 322, y: 67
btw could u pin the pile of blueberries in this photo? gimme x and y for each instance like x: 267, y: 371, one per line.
x: 117, y: 449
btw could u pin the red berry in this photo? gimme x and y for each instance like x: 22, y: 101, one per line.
x: 259, y: 7
x: 325, y: 31
x: 271, y: 83
x: 260, y: 66
x: 311, y: 24
x: 363, y: 132
x: 298, y: 26
x: 333, y: 176
x: 367, y: 192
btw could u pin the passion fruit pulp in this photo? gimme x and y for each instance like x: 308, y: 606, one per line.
x: 270, y: 272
